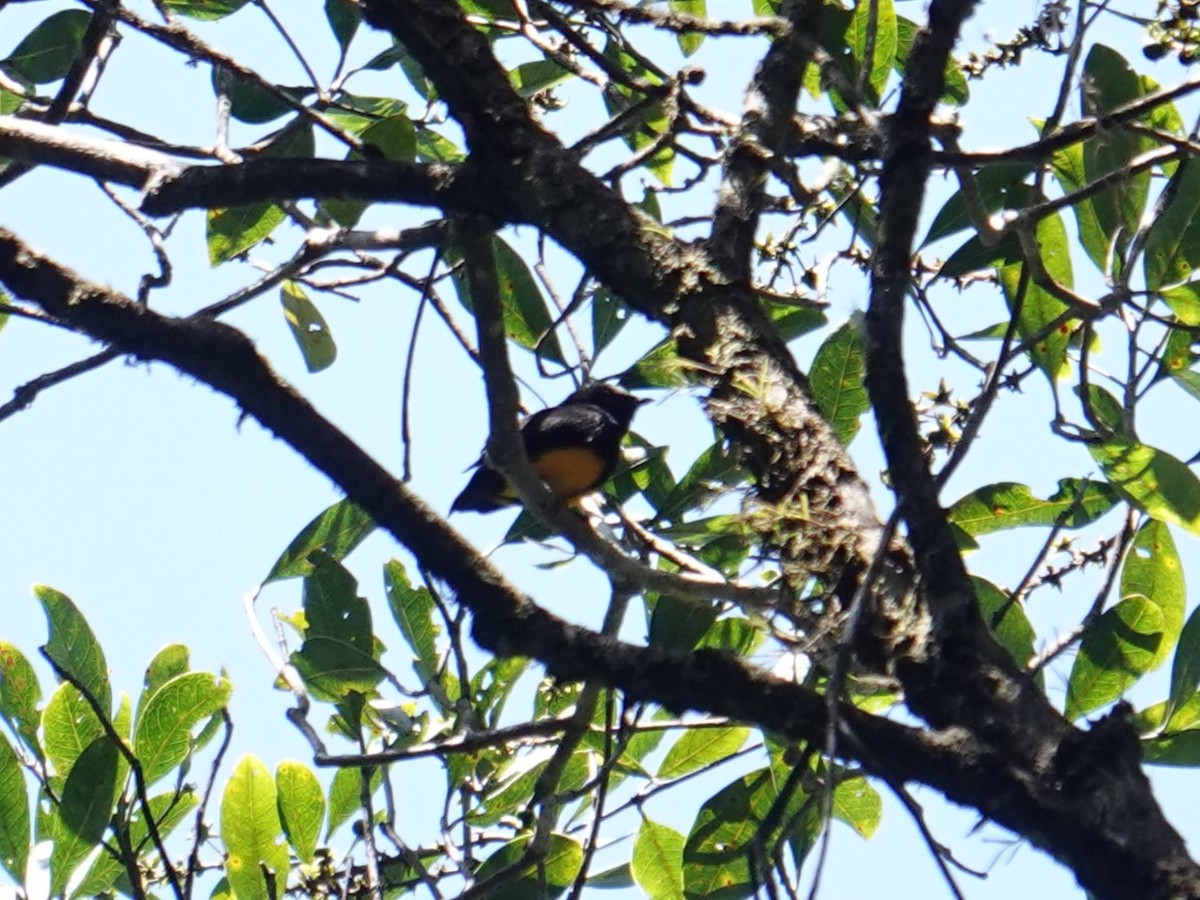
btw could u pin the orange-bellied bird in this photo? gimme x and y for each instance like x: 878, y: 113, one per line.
x: 574, y: 447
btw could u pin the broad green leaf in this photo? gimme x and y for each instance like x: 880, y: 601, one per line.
x: 1007, y: 504
x: 649, y: 123
x: 661, y: 367
x: 792, y: 320
x: 47, y: 52
x: 716, y: 855
x: 527, y: 322
x: 859, y: 805
x: 1068, y: 166
x: 165, y: 724
x: 345, y: 795
x: 531, y: 78
x: 690, y: 41
x: 68, y: 726
x: 168, y: 662
x: 204, y: 10
x: 301, y: 806
x: 713, y: 471
x: 168, y: 809
x: 1152, y: 570
x: 233, y: 231
x: 884, y: 56
x: 1185, y: 669
x: 1181, y: 748
x: 1184, y: 300
x: 1013, y: 631
x: 82, y: 815
x: 836, y: 379
x: 609, y: 315
x: 1103, y: 410
x: 617, y: 877
x: 1118, y: 650
x: 1173, y: 242
x: 308, y: 327
x: 1039, y: 308
x: 1152, y: 480
x: 1109, y: 83
x: 413, y: 609
x: 72, y: 645
x: 252, y: 833
x: 657, y: 862
x: 15, y: 838
x: 994, y: 186
x: 700, y: 747
x: 339, y: 654
x: 344, y: 18
x: 550, y: 879
x: 678, y: 624
x: 335, y: 532
x: 250, y: 102
x: 20, y: 695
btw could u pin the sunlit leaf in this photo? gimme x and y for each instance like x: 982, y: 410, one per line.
x: 73, y: 645
x: 836, y: 379
x: 548, y: 880
x: 657, y: 862
x: 1118, y: 650
x: 20, y: 695
x: 1172, y: 248
x: 1012, y: 631
x: 301, y: 806
x: 858, y: 804
x: 308, y: 327
x: 413, y: 609
x: 700, y: 747
x: 690, y: 41
x: 1007, y: 504
x: 1039, y: 309
x: 165, y: 724
x: 14, y: 814
x: 252, y: 833
x: 335, y: 532
x: 205, y: 10
x: 884, y: 52
x: 82, y: 815
x: 1152, y: 480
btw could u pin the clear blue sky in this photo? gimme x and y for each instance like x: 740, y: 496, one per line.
x: 141, y: 495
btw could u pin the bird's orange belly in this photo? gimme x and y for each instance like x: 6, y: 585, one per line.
x: 570, y: 472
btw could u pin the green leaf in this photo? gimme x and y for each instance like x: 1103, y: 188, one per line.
x: 68, y: 726
x: 20, y: 695
x: 1184, y: 300
x: 345, y: 795
x: 859, y: 805
x: 649, y: 122
x: 792, y: 320
x: 1178, y: 749
x: 534, y: 77
x: 168, y: 810
x: 204, y: 10
x: 413, y: 610
x: 1108, y: 83
x: 700, y: 747
x: 690, y: 41
x: 308, y: 326
x: 301, y: 806
x: 169, y: 662
x: 1185, y: 669
x: 956, y: 92
x: 998, y: 186
x: 252, y: 833
x: 884, y: 56
x: 1152, y: 480
x: 344, y: 18
x: 526, y: 319
x: 661, y: 367
x: 1152, y: 570
x: 335, y: 532
x: 1040, y: 307
x: 1119, y: 649
x: 339, y: 653
x: 1070, y: 171
x: 678, y: 624
x: 609, y: 315
x: 711, y: 474
x: 72, y: 645
x: 1103, y: 410
x: 657, y: 863
x: 15, y: 839
x: 1013, y: 632
x: 550, y: 879
x: 83, y: 813
x: 47, y: 52
x: 249, y: 101
x: 728, y: 827
x: 165, y: 724
x: 1173, y: 241
x: 1007, y: 504
x: 836, y: 379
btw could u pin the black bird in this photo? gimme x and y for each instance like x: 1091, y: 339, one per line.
x: 574, y: 447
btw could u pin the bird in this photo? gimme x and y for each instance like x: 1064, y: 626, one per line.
x: 574, y: 447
